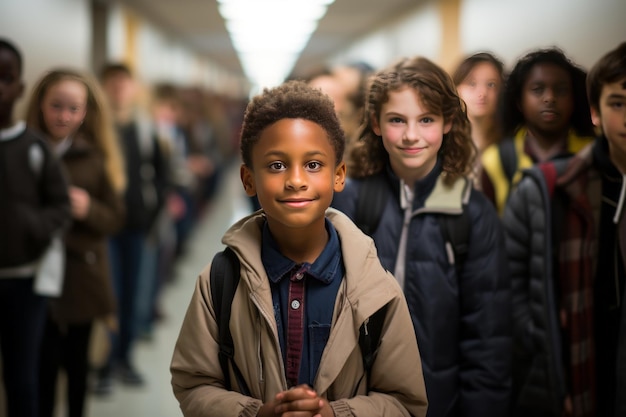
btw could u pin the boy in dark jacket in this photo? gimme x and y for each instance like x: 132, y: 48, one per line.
x: 34, y: 205
x: 566, y: 238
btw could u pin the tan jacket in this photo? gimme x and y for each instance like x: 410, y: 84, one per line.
x: 397, y: 384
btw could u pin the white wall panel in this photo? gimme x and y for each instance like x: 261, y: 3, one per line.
x: 584, y: 29
x: 49, y: 33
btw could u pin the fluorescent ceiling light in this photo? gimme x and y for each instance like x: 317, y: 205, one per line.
x: 269, y: 35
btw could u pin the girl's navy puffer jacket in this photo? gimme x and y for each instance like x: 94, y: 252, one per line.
x: 462, y: 324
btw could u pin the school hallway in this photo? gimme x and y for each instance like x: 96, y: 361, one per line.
x: 153, y: 357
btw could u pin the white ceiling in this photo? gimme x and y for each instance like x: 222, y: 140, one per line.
x: 198, y: 24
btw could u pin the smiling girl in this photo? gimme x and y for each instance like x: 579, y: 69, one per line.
x: 68, y: 108
x: 415, y: 140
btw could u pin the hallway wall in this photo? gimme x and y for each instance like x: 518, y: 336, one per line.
x: 584, y: 29
x: 52, y: 33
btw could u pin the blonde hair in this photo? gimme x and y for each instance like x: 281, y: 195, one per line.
x: 97, y: 126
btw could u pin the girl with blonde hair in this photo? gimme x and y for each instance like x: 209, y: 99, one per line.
x: 68, y: 108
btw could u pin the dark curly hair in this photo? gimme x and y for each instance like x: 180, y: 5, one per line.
x: 511, y: 115
x: 438, y: 93
x: 291, y: 100
x: 609, y: 69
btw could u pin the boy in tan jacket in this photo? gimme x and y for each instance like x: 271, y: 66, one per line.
x: 309, y: 281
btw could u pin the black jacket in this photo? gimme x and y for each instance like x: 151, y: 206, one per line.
x: 33, y: 198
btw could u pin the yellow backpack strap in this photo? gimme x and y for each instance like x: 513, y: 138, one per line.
x: 576, y: 143
x: 523, y: 160
x: 492, y: 164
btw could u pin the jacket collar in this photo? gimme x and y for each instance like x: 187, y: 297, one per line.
x: 439, y: 197
x: 278, y: 265
x: 12, y: 132
x: 363, y: 269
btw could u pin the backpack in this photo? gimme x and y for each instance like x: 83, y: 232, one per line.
x: 369, y: 210
x: 224, y: 281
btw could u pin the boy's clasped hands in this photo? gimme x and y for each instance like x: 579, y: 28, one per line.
x: 299, y: 401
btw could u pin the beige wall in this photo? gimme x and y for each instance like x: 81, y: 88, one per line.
x: 446, y: 30
x: 53, y: 33
x: 57, y: 34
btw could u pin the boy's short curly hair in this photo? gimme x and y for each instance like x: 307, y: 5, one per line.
x: 291, y: 100
x: 609, y: 69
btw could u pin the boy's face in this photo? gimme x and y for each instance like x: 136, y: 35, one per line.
x: 294, y: 175
x: 611, y: 117
x: 11, y: 86
x: 120, y: 89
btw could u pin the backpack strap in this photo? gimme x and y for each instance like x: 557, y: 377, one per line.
x: 224, y: 280
x: 456, y: 231
x: 369, y: 340
x: 508, y: 157
x: 370, y: 203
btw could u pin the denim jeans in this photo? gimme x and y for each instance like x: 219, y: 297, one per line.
x: 126, y: 252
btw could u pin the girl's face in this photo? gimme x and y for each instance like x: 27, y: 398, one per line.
x: 480, y: 90
x: 64, y: 107
x: 547, y: 100
x: 411, y: 134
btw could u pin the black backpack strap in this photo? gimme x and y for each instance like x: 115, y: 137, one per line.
x: 224, y: 281
x: 369, y: 339
x: 508, y: 157
x: 456, y: 231
x: 370, y: 203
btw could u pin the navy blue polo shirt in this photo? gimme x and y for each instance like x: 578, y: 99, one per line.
x: 322, y: 280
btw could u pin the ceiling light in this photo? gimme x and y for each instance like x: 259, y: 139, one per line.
x: 269, y: 35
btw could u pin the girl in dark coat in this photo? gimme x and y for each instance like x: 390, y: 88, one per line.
x: 68, y: 108
x: 416, y: 138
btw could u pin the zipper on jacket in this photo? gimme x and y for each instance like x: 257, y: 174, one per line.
x: 269, y: 319
x: 258, y: 349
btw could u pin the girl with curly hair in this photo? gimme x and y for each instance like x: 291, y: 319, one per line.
x: 413, y: 160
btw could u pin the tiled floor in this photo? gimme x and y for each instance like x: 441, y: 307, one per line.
x: 153, y: 358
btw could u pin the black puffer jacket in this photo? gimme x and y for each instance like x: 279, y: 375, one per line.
x: 462, y: 324
x: 539, y: 377
x: 538, y: 382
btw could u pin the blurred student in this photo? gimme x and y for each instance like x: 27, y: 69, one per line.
x: 353, y: 76
x: 34, y: 206
x: 309, y: 281
x: 545, y: 116
x: 68, y: 107
x: 440, y: 237
x: 146, y: 174
x: 479, y: 78
x: 566, y: 238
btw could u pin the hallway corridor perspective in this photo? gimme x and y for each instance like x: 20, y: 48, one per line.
x: 153, y: 357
